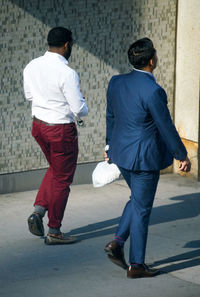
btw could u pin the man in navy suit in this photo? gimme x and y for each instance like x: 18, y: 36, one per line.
x: 142, y: 140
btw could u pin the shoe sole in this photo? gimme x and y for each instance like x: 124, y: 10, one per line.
x: 143, y: 275
x: 33, y: 228
x: 53, y: 241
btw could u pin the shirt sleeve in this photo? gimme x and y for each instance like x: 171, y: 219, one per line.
x: 71, y: 90
x: 157, y: 105
x: 27, y: 91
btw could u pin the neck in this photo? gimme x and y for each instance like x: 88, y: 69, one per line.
x: 57, y: 50
x: 147, y: 69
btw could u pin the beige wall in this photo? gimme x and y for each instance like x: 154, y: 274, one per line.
x: 187, y: 77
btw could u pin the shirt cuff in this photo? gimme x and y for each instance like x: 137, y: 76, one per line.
x: 107, y: 147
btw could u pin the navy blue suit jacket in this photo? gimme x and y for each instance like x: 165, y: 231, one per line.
x: 139, y: 128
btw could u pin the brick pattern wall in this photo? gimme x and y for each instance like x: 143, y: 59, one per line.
x: 103, y: 31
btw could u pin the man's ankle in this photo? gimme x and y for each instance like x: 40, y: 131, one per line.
x: 54, y: 231
x: 40, y: 210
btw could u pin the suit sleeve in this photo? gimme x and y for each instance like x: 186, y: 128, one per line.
x: 158, y: 108
x: 109, y: 115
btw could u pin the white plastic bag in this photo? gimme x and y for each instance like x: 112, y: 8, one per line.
x: 104, y: 173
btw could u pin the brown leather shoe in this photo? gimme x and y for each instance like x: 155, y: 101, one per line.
x: 116, y: 254
x: 60, y: 238
x: 141, y: 270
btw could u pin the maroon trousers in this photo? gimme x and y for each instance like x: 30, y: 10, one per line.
x: 59, y: 143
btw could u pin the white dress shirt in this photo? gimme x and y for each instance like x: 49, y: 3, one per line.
x: 53, y: 87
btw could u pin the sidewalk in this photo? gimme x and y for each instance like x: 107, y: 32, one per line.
x: 29, y: 268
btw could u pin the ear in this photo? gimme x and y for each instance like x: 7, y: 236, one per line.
x: 151, y: 63
x: 66, y: 45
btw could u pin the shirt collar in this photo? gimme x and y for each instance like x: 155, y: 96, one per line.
x: 149, y: 73
x: 55, y: 55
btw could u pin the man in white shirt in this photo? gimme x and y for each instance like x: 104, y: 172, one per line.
x: 53, y: 87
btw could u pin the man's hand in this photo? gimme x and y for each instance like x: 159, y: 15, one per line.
x: 106, y: 156
x: 185, y: 165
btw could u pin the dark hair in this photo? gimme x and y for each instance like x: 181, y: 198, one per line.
x: 141, y: 52
x: 58, y: 36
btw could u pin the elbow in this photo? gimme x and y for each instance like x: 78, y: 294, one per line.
x: 29, y: 98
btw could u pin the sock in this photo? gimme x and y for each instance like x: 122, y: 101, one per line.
x: 40, y: 209
x: 54, y: 230
x: 136, y: 264
x: 119, y: 240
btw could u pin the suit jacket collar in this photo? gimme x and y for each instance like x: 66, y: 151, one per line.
x: 145, y: 72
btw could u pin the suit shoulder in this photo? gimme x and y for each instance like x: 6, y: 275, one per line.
x: 156, y: 95
x: 117, y: 77
x: 158, y: 89
x: 154, y: 87
x: 114, y: 77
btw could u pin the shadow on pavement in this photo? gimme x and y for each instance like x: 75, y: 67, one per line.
x: 188, y: 206
x: 186, y: 260
x: 96, y: 230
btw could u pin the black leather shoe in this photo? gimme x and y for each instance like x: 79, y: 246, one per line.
x: 35, y: 224
x: 116, y: 254
x: 141, y: 270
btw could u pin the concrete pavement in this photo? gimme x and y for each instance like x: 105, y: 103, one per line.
x: 28, y: 268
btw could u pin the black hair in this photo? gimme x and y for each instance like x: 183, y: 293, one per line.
x: 141, y: 52
x: 58, y: 36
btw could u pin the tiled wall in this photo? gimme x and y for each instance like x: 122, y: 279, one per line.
x: 103, y: 30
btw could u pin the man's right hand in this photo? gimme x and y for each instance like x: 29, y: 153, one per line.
x: 106, y: 156
x: 185, y: 165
